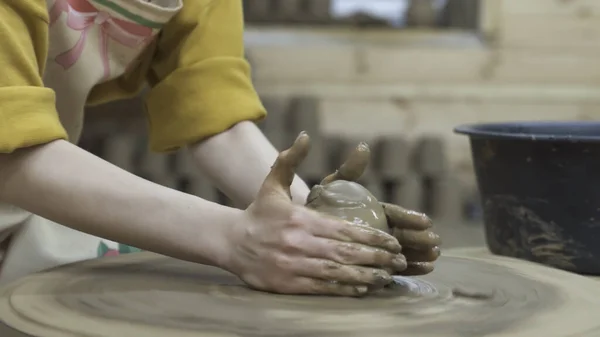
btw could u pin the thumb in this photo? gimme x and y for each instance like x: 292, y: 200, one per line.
x: 282, y: 173
x: 354, y: 166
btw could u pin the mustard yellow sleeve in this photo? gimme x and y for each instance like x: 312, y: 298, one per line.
x: 199, y: 77
x: 27, y: 109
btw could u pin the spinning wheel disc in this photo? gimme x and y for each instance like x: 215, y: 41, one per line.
x: 149, y: 295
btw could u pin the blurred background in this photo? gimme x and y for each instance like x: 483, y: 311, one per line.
x: 399, y: 74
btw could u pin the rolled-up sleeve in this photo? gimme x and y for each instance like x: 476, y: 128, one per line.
x: 28, y: 113
x: 200, y: 80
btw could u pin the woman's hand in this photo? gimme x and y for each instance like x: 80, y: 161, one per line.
x: 282, y: 247
x: 419, y: 244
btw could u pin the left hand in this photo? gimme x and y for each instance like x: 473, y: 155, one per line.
x: 420, y: 245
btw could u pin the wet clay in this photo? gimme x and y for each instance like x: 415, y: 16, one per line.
x: 350, y: 201
x: 149, y: 295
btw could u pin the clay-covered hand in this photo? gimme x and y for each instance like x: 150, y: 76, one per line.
x: 420, y: 245
x: 279, y: 246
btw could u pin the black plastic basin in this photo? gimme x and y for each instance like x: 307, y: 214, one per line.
x: 540, y: 190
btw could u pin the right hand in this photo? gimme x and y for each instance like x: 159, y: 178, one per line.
x: 420, y: 245
x: 282, y: 247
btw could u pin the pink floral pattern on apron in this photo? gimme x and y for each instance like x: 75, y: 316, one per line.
x: 82, y: 16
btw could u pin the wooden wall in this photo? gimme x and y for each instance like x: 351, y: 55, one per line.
x: 535, y: 59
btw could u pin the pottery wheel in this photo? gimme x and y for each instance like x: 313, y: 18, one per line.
x: 149, y: 295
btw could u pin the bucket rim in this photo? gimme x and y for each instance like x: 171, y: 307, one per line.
x: 555, y: 131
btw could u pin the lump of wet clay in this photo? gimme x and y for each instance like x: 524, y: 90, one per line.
x: 350, y: 201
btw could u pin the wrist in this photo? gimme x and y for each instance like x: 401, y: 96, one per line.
x: 224, y: 243
x: 210, y: 226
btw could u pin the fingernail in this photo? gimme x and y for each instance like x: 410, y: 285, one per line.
x: 394, y: 246
x: 399, y: 262
x: 434, y: 237
x: 428, y: 220
x: 421, y: 268
x: 382, y: 278
x: 361, y: 289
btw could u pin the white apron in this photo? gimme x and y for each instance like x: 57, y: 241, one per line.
x: 91, y: 42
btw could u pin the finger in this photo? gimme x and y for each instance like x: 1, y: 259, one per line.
x: 332, y: 271
x: 403, y: 218
x: 419, y: 240
x: 329, y: 227
x: 311, y: 286
x: 282, y: 172
x: 417, y: 268
x: 428, y: 255
x: 354, y: 166
x: 349, y: 253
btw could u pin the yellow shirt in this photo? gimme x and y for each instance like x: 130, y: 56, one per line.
x: 200, y: 82
x: 56, y: 56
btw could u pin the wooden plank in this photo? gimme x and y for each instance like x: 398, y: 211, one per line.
x: 437, y: 65
x: 571, y: 44
x: 412, y: 118
x: 537, y: 31
x: 346, y: 55
x: 522, y: 93
x: 358, y: 118
x: 577, y: 8
x: 415, y: 118
x: 562, y: 66
x: 307, y: 36
x: 300, y: 63
x: 373, y: 64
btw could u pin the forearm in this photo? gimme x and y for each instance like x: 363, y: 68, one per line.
x: 238, y: 161
x: 65, y: 184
